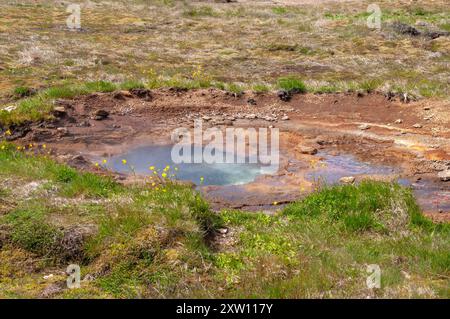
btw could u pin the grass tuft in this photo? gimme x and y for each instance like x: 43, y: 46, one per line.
x: 291, y: 84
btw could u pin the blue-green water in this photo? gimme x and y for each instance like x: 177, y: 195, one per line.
x: 139, y: 160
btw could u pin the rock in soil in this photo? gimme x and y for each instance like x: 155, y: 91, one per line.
x: 364, y: 126
x: 142, y: 93
x: 100, y: 115
x: 251, y: 101
x: 307, y: 150
x: 59, y: 111
x: 444, y: 175
x: 284, y: 95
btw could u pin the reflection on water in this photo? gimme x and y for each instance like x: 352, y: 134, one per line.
x: 430, y: 196
x: 345, y: 165
x: 140, y: 159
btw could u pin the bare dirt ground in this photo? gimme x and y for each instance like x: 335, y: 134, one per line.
x: 412, y: 137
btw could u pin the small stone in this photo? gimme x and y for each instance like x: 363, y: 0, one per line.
x: 399, y: 121
x: 269, y: 118
x: 100, y: 115
x: 62, y: 130
x: 206, y: 118
x: 142, y: 93
x: 251, y: 101
x: 444, y: 175
x: 285, y: 118
x: 121, y: 95
x: 60, y: 110
x: 307, y: 150
x: 9, y: 108
x: 405, y: 98
x: 284, y: 96
x: 250, y: 116
x: 417, y: 125
x: 347, y: 180
x: 390, y: 95
x: 426, y: 108
x: 223, y: 230
x: 364, y: 126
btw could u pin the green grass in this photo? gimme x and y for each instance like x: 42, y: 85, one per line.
x: 31, y: 232
x: 280, y: 10
x: 291, y: 84
x: 365, y: 207
x: 132, y: 84
x: 156, y: 241
x: 40, y: 106
x: 71, y: 182
x: 260, y: 88
x: 370, y: 85
x: 22, y: 91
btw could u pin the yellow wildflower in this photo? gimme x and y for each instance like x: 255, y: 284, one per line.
x: 124, y: 161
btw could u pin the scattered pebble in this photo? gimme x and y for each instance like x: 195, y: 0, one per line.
x: 364, y: 126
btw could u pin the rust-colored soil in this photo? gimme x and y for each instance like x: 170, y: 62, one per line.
x: 414, y: 136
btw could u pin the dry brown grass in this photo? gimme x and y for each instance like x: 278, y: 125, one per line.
x: 329, y: 45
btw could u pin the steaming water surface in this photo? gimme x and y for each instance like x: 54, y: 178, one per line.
x: 140, y: 159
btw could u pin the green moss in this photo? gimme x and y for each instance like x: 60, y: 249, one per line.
x: 30, y: 231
